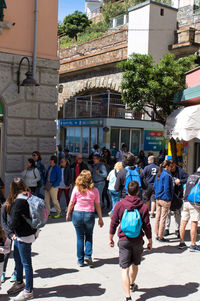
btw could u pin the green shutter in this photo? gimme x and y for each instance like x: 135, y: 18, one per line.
x: 1, y: 109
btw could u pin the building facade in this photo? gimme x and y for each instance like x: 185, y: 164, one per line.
x: 27, y: 118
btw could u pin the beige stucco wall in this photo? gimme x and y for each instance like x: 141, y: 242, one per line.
x: 19, y: 39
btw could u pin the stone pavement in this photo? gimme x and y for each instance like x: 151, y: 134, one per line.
x: 166, y: 273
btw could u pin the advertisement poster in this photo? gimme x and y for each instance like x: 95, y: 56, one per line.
x: 153, y: 140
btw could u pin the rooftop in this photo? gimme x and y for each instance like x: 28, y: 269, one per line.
x: 151, y: 2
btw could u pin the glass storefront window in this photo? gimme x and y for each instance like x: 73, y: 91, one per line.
x: 125, y: 138
x: 135, y: 141
x: 77, y: 139
x: 100, y: 142
x: 114, y: 138
x: 85, y: 140
x: 93, y: 137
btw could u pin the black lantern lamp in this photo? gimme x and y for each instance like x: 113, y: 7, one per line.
x: 29, y: 80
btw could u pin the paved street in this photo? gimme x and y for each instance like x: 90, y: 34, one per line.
x: 166, y: 273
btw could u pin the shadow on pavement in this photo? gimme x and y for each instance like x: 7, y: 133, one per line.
x: 164, y: 249
x: 32, y: 254
x: 50, y: 273
x: 70, y: 291
x: 173, y: 291
x: 99, y: 262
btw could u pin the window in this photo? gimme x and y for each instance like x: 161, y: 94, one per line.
x: 114, y: 138
x: 125, y: 138
x: 162, y: 11
x: 135, y: 141
x: 93, y: 137
x: 85, y: 140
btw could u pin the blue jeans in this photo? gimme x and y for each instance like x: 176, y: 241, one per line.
x: 84, y: 225
x: 100, y: 187
x: 115, y: 195
x: 22, y: 257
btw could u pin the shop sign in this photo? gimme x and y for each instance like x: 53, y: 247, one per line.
x: 153, y: 140
x: 81, y: 122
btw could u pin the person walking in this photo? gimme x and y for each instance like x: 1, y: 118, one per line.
x: 52, y: 181
x: 4, y: 249
x: 65, y: 180
x: 77, y: 167
x: 191, y: 210
x: 99, y: 174
x: 112, y: 177
x: 16, y: 208
x: 40, y: 166
x: 149, y: 174
x: 120, y: 154
x: 84, y: 201
x: 130, y: 249
x: 31, y: 175
x: 179, y: 179
x: 163, y: 186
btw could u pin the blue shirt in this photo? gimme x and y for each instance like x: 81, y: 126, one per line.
x: 164, y: 186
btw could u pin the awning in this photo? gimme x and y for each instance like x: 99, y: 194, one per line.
x: 183, y: 123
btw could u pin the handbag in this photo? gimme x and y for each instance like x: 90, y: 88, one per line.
x: 176, y: 203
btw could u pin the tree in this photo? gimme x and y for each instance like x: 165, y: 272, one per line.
x: 151, y: 88
x: 74, y: 24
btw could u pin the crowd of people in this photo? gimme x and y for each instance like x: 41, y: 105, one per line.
x: 145, y: 186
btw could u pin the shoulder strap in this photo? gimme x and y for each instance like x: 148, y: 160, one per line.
x: 34, y: 173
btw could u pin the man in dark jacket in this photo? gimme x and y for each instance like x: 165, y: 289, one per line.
x: 78, y: 166
x: 130, y: 249
x: 149, y: 173
x: 179, y: 179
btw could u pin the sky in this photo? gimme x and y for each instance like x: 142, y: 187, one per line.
x: 67, y: 7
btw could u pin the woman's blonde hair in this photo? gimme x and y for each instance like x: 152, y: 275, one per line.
x: 84, y: 181
x: 118, y: 166
x: 17, y: 186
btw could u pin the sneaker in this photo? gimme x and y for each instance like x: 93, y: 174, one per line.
x: 80, y: 264
x: 133, y: 287
x: 152, y: 215
x: 166, y: 232
x: 13, y: 278
x: 177, y: 233
x: 89, y: 262
x: 194, y: 248
x: 3, y: 278
x: 53, y: 210
x: 182, y: 246
x: 57, y: 215
x: 16, y: 288
x: 162, y: 239
x: 24, y: 295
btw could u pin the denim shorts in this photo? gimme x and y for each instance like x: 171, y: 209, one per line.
x: 130, y: 252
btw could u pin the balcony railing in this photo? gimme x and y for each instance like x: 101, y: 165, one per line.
x: 107, y: 105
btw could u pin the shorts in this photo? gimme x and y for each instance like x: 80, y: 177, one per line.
x: 149, y: 195
x: 190, y: 211
x: 130, y: 252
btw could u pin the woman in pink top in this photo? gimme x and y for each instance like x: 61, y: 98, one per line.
x: 84, y: 201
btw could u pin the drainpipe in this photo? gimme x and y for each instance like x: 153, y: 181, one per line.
x: 35, y: 39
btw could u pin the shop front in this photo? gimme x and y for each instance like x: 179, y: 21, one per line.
x: 79, y: 135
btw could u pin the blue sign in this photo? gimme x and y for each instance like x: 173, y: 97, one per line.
x: 81, y: 122
x: 153, y: 140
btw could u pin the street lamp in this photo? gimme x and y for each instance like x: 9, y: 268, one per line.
x: 29, y: 80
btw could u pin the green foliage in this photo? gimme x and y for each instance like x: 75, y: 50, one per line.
x: 81, y: 38
x: 74, y: 24
x: 150, y: 88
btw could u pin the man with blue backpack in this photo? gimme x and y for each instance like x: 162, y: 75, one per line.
x: 128, y: 174
x: 133, y: 215
x: 191, y: 210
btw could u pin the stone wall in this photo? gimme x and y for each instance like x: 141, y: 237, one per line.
x: 104, y: 79
x: 29, y: 117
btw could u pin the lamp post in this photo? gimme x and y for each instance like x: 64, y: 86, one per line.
x: 29, y: 80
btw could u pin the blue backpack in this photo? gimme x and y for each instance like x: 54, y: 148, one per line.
x: 131, y: 223
x: 132, y: 175
x: 194, y: 195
